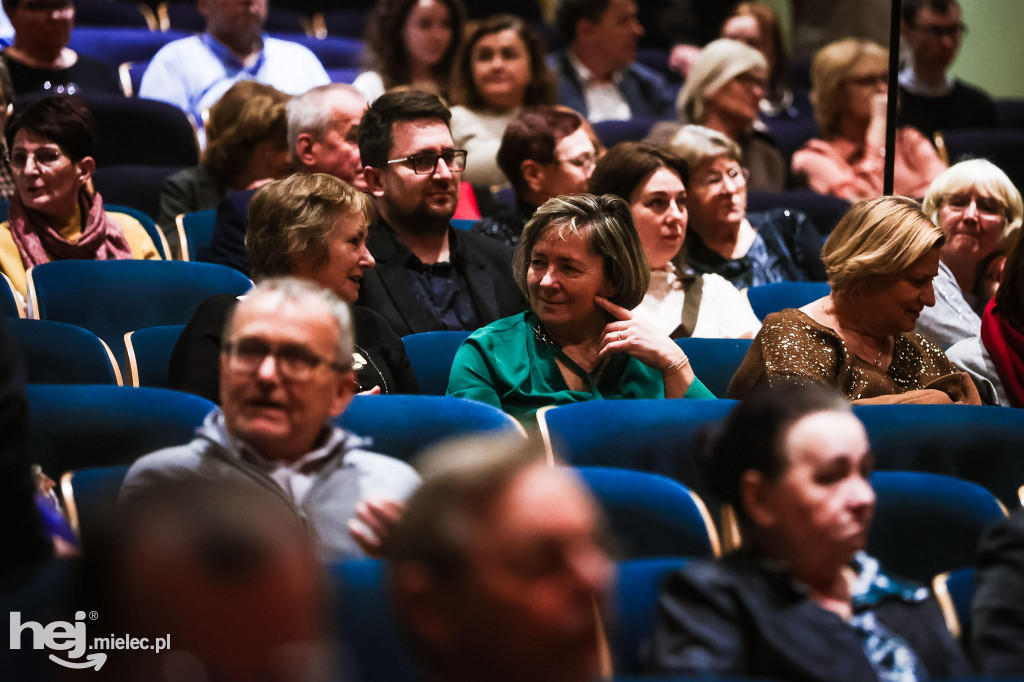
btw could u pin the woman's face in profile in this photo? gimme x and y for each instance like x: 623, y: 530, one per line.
x: 822, y: 504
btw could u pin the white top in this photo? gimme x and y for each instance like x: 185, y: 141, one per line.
x: 605, y: 102
x: 370, y: 85
x: 724, y: 312
x: 479, y: 133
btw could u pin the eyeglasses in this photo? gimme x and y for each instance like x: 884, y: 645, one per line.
x: 987, y: 206
x: 586, y: 161
x: 45, y: 157
x: 715, y: 181
x: 933, y: 31
x: 425, y: 163
x: 869, y: 79
x: 296, y: 363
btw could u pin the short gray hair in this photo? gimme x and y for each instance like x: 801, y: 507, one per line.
x: 697, y: 145
x: 296, y: 291
x: 311, y: 112
x: 717, y: 64
x: 983, y: 176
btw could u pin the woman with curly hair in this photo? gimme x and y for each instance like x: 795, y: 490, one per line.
x: 499, y: 69
x: 247, y: 144
x: 411, y: 43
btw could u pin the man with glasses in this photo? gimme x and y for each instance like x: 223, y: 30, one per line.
x: 429, y: 276
x: 545, y: 151
x: 931, y: 99
x: 285, y: 373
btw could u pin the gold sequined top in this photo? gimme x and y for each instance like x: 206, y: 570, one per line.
x: 792, y: 346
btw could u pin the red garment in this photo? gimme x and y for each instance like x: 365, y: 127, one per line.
x: 37, y: 242
x: 1005, y: 345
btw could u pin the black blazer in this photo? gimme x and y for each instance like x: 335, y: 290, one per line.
x: 486, y: 264
x: 997, y: 613
x: 227, y: 246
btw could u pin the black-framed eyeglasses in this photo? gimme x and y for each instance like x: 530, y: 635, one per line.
x: 425, y: 163
x: 933, y: 31
x: 294, y: 362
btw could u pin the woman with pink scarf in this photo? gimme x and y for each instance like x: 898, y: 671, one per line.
x: 54, y: 213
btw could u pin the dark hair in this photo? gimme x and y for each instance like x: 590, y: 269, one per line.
x: 542, y: 86
x: 7, y: 96
x: 61, y: 119
x: 533, y: 134
x: 247, y: 114
x: 569, y: 12
x: 912, y: 7
x: 1010, y: 295
x: 385, y: 50
x: 375, y: 130
x: 621, y: 170
x: 751, y: 437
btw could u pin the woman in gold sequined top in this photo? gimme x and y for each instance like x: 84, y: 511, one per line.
x: 880, y: 261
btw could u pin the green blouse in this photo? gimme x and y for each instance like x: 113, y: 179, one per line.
x: 511, y: 365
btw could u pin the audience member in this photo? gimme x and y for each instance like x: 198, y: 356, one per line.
x: 679, y: 302
x: 6, y: 105
x: 849, y: 91
x: 980, y: 211
x: 246, y: 145
x: 747, y: 249
x: 429, y: 276
x: 411, y: 43
x: 597, y: 74
x: 54, y: 213
x: 40, y: 58
x: 994, y: 355
x: 930, y: 99
x: 800, y: 600
x: 274, y: 431
x: 500, y: 568
x: 224, y: 574
x: 311, y: 226
x: 193, y: 73
x: 545, y: 151
x: 582, y: 267
x: 723, y: 92
x: 997, y: 620
x: 880, y: 261
x: 755, y: 24
x: 323, y: 125
x: 499, y: 69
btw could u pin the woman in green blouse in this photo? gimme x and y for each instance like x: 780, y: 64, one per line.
x: 582, y: 267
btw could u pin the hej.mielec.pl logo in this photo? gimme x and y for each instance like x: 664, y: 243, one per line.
x: 71, y: 638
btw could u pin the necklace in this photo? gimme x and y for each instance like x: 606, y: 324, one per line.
x: 858, y: 347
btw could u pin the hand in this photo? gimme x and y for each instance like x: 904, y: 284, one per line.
x: 371, y: 391
x: 875, y: 135
x: 628, y: 335
x: 372, y: 526
x: 681, y: 58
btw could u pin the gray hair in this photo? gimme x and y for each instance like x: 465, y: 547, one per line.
x: 717, y: 64
x: 312, y: 111
x: 297, y: 291
x: 697, y: 144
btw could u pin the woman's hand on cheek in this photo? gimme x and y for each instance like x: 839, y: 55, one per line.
x: 628, y: 335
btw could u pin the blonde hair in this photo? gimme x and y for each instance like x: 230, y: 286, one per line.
x: 877, y: 237
x: 829, y: 70
x: 697, y: 145
x: 717, y: 64
x: 985, y: 177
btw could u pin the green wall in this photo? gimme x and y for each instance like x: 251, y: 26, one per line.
x: 992, y: 54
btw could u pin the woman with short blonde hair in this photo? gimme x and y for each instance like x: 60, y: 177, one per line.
x: 880, y: 261
x: 849, y: 91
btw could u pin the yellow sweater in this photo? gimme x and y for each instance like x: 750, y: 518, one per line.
x: 10, y: 259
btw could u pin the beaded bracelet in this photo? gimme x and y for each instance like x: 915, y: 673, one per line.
x: 675, y: 367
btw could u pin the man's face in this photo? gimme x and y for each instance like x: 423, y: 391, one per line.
x: 934, y: 38
x: 44, y: 25
x: 282, y: 416
x: 231, y: 16
x: 617, y: 31
x: 535, y: 572
x: 336, y: 152
x: 406, y: 199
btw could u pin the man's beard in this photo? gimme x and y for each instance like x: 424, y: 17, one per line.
x: 422, y: 219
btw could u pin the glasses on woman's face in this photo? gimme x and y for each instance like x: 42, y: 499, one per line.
x: 987, y: 206
x: 44, y: 157
x: 734, y: 178
x: 585, y: 162
x: 879, y: 79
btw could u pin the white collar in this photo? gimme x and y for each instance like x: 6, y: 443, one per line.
x: 909, y: 81
x: 586, y: 76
